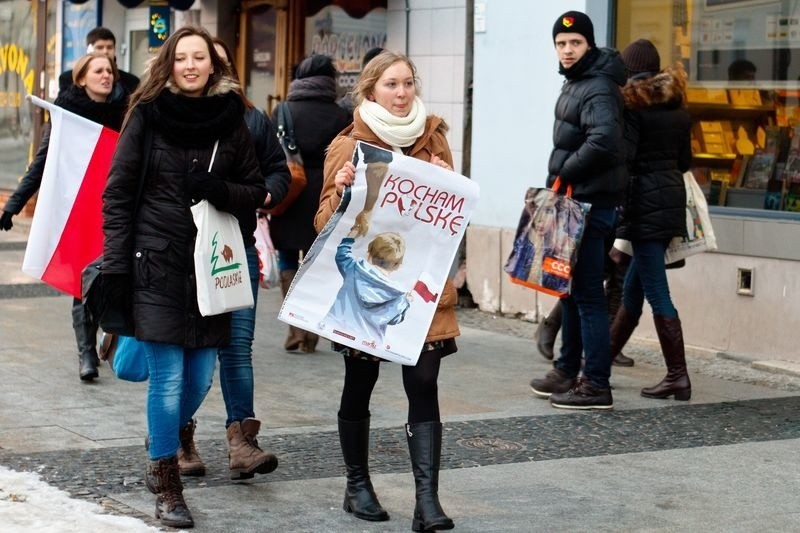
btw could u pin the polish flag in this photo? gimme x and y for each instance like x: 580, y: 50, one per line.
x: 67, y: 228
x: 423, y: 288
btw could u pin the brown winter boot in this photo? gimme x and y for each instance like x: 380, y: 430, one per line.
x: 676, y: 383
x: 547, y: 331
x: 171, y: 508
x: 246, y: 458
x: 294, y: 341
x: 310, y: 341
x: 189, y: 460
x: 621, y: 330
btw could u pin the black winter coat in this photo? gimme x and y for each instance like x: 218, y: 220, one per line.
x: 588, y: 149
x: 659, y: 147
x: 271, y: 159
x: 154, y: 244
x: 316, y: 123
x: 75, y: 99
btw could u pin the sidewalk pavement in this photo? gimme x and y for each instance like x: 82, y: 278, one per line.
x: 725, y: 461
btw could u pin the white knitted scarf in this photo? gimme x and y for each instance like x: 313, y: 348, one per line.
x: 397, y: 132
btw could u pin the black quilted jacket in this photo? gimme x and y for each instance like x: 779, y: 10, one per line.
x: 588, y: 149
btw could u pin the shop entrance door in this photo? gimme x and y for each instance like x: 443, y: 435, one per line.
x: 261, y: 51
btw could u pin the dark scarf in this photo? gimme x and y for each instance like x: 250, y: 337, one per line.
x: 196, y: 122
x: 578, y: 69
x: 109, y: 114
x: 313, y: 88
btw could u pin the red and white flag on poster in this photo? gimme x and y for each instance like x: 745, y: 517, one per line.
x: 67, y: 229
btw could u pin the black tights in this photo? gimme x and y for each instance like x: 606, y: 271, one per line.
x: 419, y: 382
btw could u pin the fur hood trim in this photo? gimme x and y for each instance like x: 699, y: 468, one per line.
x: 224, y: 85
x: 668, y: 87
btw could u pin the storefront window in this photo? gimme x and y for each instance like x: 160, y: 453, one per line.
x: 742, y: 58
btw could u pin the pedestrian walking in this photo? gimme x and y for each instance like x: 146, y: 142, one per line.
x: 658, y: 135
x: 188, y: 104
x: 102, y: 40
x: 588, y: 155
x: 390, y: 114
x: 317, y: 120
x: 90, y: 95
x: 245, y: 456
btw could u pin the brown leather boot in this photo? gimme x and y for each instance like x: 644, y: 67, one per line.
x: 171, y: 508
x: 246, y: 457
x: 621, y: 330
x: 676, y: 383
x: 310, y: 341
x: 296, y: 337
x: 189, y: 460
x: 547, y: 331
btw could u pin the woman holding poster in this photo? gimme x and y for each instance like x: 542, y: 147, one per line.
x: 390, y: 114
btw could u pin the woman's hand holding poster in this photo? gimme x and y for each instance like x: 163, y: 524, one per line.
x: 373, y: 277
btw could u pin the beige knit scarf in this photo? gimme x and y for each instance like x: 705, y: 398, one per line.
x: 397, y: 132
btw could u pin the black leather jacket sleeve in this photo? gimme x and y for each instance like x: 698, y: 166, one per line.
x: 271, y: 159
x: 32, y: 179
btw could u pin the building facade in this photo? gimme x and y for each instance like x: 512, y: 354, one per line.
x: 490, y: 69
x: 743, y: 299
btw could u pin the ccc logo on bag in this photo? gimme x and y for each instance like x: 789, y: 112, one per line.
x: 556, y: 267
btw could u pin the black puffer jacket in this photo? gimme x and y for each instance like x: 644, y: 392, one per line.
x: 75, y: 99
x: 271, y: 159
x: 317, y: 120
x: 659, y: 148
x: 588, y: 149
x: 155, y: 245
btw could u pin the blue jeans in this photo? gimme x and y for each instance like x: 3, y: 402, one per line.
x: 180, y: 379
x: 584, y: 323
x: 647, y: 278
x: 236, y: 359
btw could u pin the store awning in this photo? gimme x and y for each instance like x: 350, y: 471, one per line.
x: 180, y: 5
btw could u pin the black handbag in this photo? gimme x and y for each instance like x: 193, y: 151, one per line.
x: 112, y: 317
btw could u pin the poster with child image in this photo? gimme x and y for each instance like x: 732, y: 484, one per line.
x: 374, y: 275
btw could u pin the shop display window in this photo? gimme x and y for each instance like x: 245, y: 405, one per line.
x: 742, y: 59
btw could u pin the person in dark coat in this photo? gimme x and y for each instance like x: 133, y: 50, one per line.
x: 245, y: 456
x: 91, y: 96
x: 588, y: 155
x: 658, y: 134
x: 317, y: 120
x: 102, y: 40
x: 192, y: 108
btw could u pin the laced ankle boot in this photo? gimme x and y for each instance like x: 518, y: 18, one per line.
x: 676, y: 383
x: 359, y: 496
x: 189, y: 460
x: 246, y: 458
x: 171, y: 508
x: 425, y: 448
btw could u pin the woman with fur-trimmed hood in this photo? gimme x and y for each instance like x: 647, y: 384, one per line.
x: 657, y: 134
x: 187, y: 102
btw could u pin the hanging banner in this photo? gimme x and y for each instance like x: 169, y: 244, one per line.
x: 374, y: 275
x: 159, y: 25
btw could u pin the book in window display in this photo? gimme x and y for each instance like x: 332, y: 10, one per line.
x: 793, y: 197
x: 759, y: 171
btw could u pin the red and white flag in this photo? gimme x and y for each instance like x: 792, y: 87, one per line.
x: 67, y: 229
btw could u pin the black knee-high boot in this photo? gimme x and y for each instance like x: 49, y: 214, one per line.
x: 425, y: 448
x: 359, y: 496
x: 86, y: 338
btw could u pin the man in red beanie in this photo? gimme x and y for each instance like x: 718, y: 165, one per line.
x: 588, y: 155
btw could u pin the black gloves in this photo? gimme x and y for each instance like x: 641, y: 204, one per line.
x: 205, y: 185
x: 5, y: 221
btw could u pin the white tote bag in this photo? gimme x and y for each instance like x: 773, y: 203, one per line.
x: 699, y: 236
x: 220, y: 263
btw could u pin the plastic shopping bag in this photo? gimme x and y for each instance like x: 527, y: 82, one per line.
x: 267, y: 256
x: 547, y: 240
x: 699, y: 236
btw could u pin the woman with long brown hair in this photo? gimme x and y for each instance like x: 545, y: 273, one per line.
x: 191, y: 108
